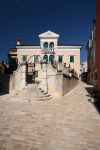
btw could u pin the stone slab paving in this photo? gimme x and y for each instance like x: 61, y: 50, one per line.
x: 68, y: 123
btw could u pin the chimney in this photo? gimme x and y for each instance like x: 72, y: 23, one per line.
x: 18, y: 42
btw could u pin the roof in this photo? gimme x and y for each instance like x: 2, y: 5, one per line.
x: 49, y: 34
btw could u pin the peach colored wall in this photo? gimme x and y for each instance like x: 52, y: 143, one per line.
x: 28, y: 52
x: 66, y: 56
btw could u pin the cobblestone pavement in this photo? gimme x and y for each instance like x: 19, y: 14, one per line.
x: 68, y: 123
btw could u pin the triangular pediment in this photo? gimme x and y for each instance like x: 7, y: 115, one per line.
x: 49, y: 34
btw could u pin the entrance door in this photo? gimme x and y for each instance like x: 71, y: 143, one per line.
x: 45, y: 57
x: 51, y: 59
x: 29, y: 72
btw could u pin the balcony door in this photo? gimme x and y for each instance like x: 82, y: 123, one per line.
x: 45, y: 57
x: 51, y: 59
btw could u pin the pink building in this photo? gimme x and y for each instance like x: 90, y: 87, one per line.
x: 48, y: 50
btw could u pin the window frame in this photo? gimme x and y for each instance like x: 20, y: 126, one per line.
x: 72, y: 58
x: 36, y: 60
x: 24, y: 59
x: 61, y: 58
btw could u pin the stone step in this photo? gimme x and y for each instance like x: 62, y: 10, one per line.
x: 31, y: 92
x: 31, y: 99
x: 31, y: 96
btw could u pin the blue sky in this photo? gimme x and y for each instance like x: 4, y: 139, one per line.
x: 26, y: 19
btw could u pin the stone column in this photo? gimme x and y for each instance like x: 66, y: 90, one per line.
x: 23, y: 75
x: 44, y: 84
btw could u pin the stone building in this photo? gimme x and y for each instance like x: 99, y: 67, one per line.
x: 48, y: 51
x: 98, y: 44
x: 91, y: 49
x: 1, y: 71
x: 84, y: 71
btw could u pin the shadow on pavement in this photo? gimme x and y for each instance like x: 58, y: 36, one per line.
x: 89, y: 90
x: 96, y: 102
x: 97, y: 105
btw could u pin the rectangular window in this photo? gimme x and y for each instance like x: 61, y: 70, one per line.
x: 24, y: 58
x: 60, y: 59
x: 36, y: 73
x: 36, y: 58
x: 71, y: 58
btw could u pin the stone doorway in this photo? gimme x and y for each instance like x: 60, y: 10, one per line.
x: 30, y: 73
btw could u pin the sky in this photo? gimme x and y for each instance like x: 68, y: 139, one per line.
x: 26, y: 19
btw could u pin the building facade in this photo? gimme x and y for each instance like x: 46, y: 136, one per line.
x: 91, y: 49
x: 1, y: 71
x: 48, y: 51
x: 98, y: 44
x: 84, y: 71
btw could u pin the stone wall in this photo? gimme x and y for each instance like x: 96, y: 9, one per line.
x: 61, y: 84
x: 18, y: 78
x: 69, y: 83
x: 16, y: 81
x: 5, y: 83
x: 58, y: 84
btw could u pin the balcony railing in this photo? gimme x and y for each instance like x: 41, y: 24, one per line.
x: 48, y: 51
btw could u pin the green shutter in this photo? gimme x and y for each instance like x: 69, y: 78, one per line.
x: 36, y: 58
x: 36, y: 73
x: 60, y: 59
x: 24, y: 58
x: 71, y: 58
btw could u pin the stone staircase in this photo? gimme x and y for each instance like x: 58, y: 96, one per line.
x: 31, y: 92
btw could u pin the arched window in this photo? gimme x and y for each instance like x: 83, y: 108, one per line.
x: 45, y: 57
x: 51, y: 59
x: 45, y: 45
x: 51, y: 45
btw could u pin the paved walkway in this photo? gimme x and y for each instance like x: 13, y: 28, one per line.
x: 70, y: 123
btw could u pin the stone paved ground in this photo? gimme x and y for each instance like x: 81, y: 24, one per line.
x: 70, y: 123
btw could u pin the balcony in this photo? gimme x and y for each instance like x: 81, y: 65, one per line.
x: 48, y: 51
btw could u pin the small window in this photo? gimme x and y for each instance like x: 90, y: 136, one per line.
x: 71, y: 58
x: 60, y: 58
x: 24, y: 58
x: 36, y: 58
x: 36, y: 73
